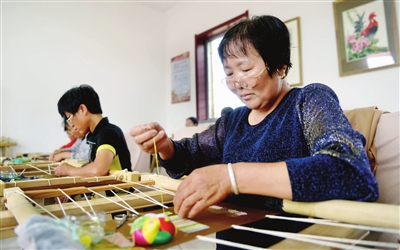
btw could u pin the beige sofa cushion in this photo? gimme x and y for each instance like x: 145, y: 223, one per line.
x: 140, y: 160
x: 387, y: 143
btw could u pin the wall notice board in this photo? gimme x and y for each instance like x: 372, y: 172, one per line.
x: 180, y: 68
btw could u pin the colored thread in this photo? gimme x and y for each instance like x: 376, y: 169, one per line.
x: 158, y: 168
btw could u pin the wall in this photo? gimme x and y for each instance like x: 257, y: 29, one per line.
x: 123, y: 49
x: 319, y: 52
x: 47, y: 48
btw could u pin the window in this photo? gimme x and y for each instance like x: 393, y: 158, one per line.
x: 207, y: 75
x: 218, y: 94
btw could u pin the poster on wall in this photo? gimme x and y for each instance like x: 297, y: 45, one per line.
x: 180, y: 78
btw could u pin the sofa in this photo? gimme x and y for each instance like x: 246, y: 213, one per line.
x: 387, y: 144
x: 140, y: 160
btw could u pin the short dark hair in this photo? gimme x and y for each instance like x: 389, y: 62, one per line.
x: 267, y: 34
x: 73, y: 98
x: 226, y: 111
x: 65, y: 124
x: 194, y: 120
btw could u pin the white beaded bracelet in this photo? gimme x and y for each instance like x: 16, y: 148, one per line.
x: 233, y: 180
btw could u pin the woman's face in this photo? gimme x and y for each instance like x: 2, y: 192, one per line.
x: 261, y: 91
x: 189, y: 123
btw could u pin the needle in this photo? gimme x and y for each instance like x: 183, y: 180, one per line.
x: 122, y: 221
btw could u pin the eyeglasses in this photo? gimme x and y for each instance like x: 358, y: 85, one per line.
x: 69, y: 122
x: 244, y: 80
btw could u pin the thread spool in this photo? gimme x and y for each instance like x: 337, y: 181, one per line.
x: 3, y: 159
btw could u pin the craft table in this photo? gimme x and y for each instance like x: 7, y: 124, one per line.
x: 218, y: 221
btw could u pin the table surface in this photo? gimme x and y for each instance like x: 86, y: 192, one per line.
x: 221, y: 220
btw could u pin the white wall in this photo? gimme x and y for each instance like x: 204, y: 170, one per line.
x: 124, y: 50
x: 47, y: 48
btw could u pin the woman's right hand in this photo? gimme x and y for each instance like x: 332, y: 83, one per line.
x: 144, y: 135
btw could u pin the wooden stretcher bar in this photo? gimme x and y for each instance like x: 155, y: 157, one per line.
x: 81, y: 186
x: 218, y: 223
x: 61, y: 182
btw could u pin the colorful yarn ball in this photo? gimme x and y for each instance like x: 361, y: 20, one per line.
x: 152, y: 229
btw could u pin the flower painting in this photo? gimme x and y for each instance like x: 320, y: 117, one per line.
x: 365, y: 31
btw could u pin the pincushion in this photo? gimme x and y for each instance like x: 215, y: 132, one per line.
x: 152, y: 229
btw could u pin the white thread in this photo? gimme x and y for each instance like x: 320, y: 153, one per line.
x: 35, y: 204
x: 90, y: 205
x: 73, y: 177
x: 124, y: 202
x: 62, y: 209
x: 154, y: 187
x: 157, y: 188
x: 321, y: 240
x: 30, y: 165
x: 49, y: 181
x: 116, y: 203
x: 232, y: 178
x: 334, y: 223
x: 13, y: 170
x: 22, y: 172
x: 83, y: 210
x: 149, y: 199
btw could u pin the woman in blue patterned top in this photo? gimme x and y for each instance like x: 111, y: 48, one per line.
x: 285, y: 143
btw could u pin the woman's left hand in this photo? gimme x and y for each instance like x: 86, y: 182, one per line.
x: 202, y: 188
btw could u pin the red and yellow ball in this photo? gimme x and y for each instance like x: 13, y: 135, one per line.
x: 152, y: 229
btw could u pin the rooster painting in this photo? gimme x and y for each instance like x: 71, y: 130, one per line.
x: 372, y: 27
x: 366, y: 33
x: 363, y: 40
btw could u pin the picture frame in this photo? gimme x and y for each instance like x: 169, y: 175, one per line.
x: 366, y: 35
x: 295, y: 75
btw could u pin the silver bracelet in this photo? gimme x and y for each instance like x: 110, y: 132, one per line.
x: 233, y: 180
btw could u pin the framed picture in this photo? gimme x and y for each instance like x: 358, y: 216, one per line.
x: 180, y: 72
x: 295, y: 77
x: 366, y: 35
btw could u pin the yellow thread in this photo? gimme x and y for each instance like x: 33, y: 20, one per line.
x: 158, y: 170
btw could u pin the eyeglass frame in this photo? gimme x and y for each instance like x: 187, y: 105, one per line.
x: 68, y: 121
x: 242, y: 84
